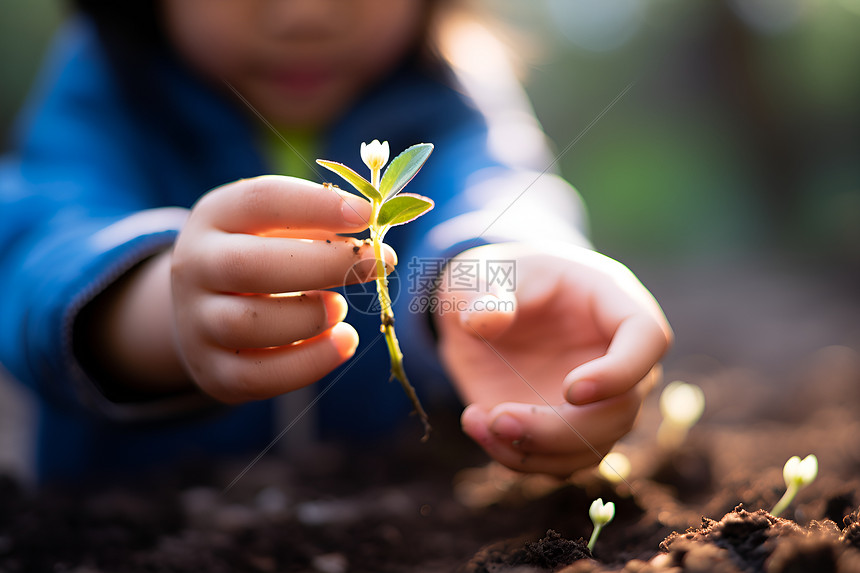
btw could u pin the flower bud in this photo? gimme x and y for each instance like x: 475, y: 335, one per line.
x: 374, y: 154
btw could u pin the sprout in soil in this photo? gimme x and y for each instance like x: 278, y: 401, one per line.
x: 615, y: 467
x: 797, y: 474
x: 388, y: 210
x: 600, y: 515
x: 681, y: 405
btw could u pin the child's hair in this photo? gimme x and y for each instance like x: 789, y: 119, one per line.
x: 125, y: 24
x: 133, y: 37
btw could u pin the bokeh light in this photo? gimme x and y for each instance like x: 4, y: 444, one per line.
x: 596, y: 26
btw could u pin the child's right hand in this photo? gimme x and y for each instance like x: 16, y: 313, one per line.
x: 246, y: 244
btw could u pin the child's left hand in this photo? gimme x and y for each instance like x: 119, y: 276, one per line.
x: 553, y: 372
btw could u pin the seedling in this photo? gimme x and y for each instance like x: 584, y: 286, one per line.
x: 600, y: 515
x: 681, y: 405
x: 389, y: 208
x: 797, y: 474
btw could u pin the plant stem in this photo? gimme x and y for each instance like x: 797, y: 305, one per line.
x: 786, y: 499
x: 386, y: 315
x: 593, y: 538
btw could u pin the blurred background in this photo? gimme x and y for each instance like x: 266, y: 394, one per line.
x: 740, y: 128
x: 716, y: 144
x: 737, y: 125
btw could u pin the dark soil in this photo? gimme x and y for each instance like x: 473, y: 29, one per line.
x: 438, y: 507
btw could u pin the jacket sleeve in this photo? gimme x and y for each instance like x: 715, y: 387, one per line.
x: 74, y: 215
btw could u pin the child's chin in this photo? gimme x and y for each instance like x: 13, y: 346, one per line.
x: 289, y: 110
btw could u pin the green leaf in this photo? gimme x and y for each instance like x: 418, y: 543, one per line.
x: 402, y: 209
x: 363, y: 185
x: 403, y: 168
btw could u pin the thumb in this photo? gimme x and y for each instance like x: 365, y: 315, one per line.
x: 486, y: 315
x: 475, y: 423
x: 638, y: 344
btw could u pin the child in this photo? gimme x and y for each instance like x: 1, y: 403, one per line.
x: 137, y: 302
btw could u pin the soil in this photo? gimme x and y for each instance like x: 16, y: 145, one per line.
x: 440, y: 507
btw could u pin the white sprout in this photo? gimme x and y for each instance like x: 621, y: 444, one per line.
x: 600, y: 515
x: 797, y: 474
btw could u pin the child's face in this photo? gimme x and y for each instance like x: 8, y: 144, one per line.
x: 299, y: 62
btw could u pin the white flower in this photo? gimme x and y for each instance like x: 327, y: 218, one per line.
x: 615, y: 467
x: 682, y: 404
x: 374, y: 154
x: 800, y: 472
x: 601, y: 514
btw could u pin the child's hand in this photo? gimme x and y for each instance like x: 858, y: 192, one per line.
x: 243, y: 244
x: 554, y: 372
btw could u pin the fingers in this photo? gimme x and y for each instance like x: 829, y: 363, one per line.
x: 483, y: 315
x: 562, y: 428
x: 523, y: 455
x: 559, y: 439
x: 231, y: 321
x: 274, y: 202
x: 242, y: 375
x: 488, y: 316
x: 638, y: 343
x: 245, y: 245
x: 249, y: 264
x: 475, y: 294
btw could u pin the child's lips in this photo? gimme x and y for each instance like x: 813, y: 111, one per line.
x: 302, y: 81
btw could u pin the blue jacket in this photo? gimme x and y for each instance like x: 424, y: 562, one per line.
x: 99, y: 179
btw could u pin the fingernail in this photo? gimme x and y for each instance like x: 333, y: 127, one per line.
x: 335, y: 309
x: 581, y: 392
x: 389, y: 254
x: 507, y: 427
x: 368, y: 267
x: 365, y: 269
x: 355, y: 211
